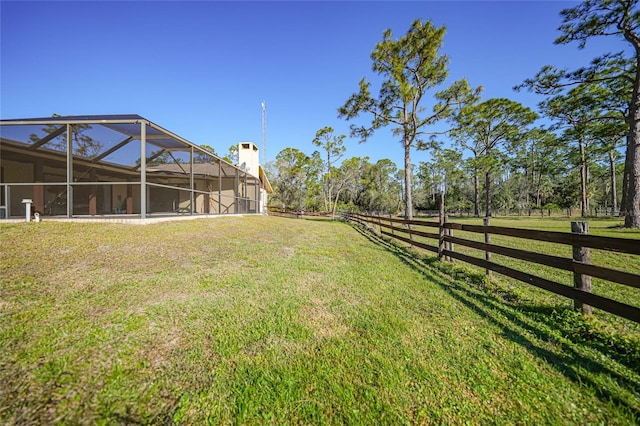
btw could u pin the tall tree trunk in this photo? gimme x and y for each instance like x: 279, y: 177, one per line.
x: 612, y: 176
x: 625, y: 180
x: 335, y: 203
x: 583, y: 180
x: 631, y: 182
x: 326, y: 195
x: 408, y: 202
x: 487, y: 188
x: 533, y: 183
x: 630, y: 206
x: 476, y: 193
x: 538, y: 186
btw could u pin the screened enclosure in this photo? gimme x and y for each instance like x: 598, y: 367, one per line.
x: 117, y: 165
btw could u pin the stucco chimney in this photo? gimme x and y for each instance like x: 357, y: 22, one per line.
x: 249, y: 158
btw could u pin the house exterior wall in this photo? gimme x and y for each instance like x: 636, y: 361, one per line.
x: 14, y: 171
x: 264, y: 199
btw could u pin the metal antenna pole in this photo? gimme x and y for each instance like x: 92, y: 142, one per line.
x: 264, y: 133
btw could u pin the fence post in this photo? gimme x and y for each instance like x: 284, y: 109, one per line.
x: 448, y: 232
x: 441, y: 220
x: 391, y: 223
x: 487, y: 239
x: 583, y: 255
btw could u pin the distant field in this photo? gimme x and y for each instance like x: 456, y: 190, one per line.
x: 611, y: 227
x: 607, y: 226
x: 277, y: 320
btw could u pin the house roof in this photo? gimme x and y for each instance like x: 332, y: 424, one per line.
x: 154, y: 135
x: 121, y: 123
x: 76, y: 118
x: 265, y: 180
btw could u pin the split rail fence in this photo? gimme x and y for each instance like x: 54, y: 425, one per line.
x: 580, y: 264
x: 275, y: 211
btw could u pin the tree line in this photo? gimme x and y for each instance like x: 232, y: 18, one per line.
x: 539, y: 174
x: 496, y: 155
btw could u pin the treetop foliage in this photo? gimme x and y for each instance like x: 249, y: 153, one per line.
x: 411, y: 65
x: 600, y: 18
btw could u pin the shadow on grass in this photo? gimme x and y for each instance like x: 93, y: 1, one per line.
x: 536, y: 328
x: 319, y: 219
x: 312, y: 218
x: 620, y: 226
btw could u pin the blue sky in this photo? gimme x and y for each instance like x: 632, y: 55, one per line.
x: 201, y: 69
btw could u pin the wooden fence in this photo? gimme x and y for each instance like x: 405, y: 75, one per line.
x: 275, y: 211
x: 579, y: 264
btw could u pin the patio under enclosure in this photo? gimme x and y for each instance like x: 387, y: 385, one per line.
x: 113, y: 165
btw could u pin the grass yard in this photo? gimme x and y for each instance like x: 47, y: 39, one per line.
x: 274, y: 320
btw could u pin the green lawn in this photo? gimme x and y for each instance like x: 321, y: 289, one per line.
x: 276, y: 320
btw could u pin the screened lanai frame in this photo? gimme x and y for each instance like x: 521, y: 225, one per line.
x: 78, y: 166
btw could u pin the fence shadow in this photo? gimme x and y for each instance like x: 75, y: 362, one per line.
x: 583, y: 363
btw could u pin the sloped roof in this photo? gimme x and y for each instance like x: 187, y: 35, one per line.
x: 121, y: 123
x: 76, y: 118
x: 204, y: 169
x: 265, y: 180
x: 155, y: 135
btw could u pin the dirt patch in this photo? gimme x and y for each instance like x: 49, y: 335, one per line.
x: 324, y: 323
x: 158, y: 351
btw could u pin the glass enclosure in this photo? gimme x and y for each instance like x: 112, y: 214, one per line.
x: 115, y: 165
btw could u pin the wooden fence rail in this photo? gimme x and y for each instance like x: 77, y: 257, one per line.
x: 579, y: 265
x: 275, y: 211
